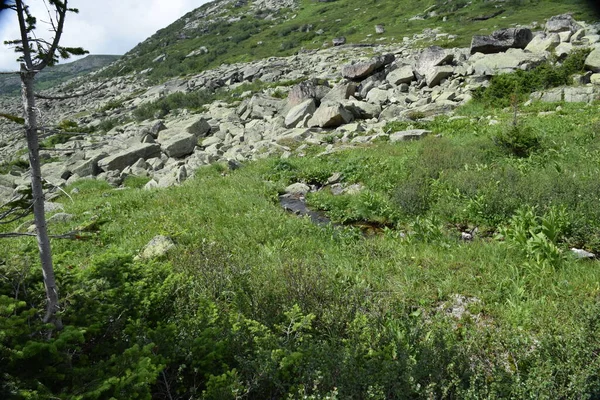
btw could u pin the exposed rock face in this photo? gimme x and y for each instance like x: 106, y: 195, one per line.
x: 501, y: 40
x: 362, y: 70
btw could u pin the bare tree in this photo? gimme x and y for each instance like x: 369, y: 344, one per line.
x: 36, y: 53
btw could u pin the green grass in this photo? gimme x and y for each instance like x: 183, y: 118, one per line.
x: 324, y: 310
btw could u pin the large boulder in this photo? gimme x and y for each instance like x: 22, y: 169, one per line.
x: 493, y: 64
x: 330, y: 115
x: 310, y: 89
x: 297, y: 113
x: 179, y: 145
x: 432, y: 57
x: 435, y: 75
x: 543, y: 43
x: 129, y: 156
x: 361, y: 70
x: 501, y: 40
x: 592, y: 62
x: 341, y: 91
x: 403, y: 74
x: 562, y: 23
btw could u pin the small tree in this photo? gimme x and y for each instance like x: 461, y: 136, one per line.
x: 36, y: 53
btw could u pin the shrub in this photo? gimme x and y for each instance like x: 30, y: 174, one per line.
x: 519, y: 141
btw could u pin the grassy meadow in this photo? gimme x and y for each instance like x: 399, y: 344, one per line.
x: 254, y: 302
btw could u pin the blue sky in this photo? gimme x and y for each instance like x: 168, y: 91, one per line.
x: 101, y: 27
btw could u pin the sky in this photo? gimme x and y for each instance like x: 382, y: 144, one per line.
x: 101, y: 27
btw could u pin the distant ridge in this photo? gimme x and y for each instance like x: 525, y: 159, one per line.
x: 10, y: 85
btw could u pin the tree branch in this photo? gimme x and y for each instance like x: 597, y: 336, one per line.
x: 61, y: 10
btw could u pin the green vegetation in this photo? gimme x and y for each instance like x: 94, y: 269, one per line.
x: 259, y: 303
x: 253, y: 37
x: 549, y: 74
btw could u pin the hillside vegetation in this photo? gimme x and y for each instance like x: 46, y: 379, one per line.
x: 257, y: 302
x: 459, y: 266
x: 246, y: 34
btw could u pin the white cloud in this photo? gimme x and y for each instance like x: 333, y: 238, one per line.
x: 101, y: 27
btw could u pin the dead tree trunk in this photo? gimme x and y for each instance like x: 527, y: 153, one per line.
x: 31, y: 130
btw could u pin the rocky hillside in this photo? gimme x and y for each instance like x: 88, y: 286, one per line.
x: 53, y: 76
x: 334, y: 97
x: 231, y: 31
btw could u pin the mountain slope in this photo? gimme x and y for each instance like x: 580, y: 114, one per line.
x: 53, y: 76
x: 227, y: 31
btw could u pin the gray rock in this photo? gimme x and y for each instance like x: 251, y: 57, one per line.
x: 330, y: 115
x: 540, y: 44
x: 583, y: 94
x: 592, y: 62
x: 338, y: 41
x: 297, y: 113
x: 179, y: 145
x: 501, y: 40
x: 297, y: 189
x: 437, y: 74
x: 157, y: 247
x: 512, y: 59
x: 562, y: 23
x: 362, y: 109
x: 412, y: 134
x: 401, y: 75
x: 362, y: 70
x: 379, y: 29
x: 303, y: 91
x: 60, y: 217
x: 200, y: 128
x: 342, y: 91
x: 432, y: 57
x: 377, y: 96
x: 125, y: 158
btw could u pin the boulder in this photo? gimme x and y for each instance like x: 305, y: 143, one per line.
x: 361, y: 70
x: 330, y: 115
x: 412, y: 134
x: 180, y: 145
x: 297, y: 189
x: 362, y: 109
x: 493, y: 64
x: 199, y: 128
x: 592, y: 62
x: 501, y: 40
x: 543, y: 43
x: 437, y: 74
x: 377, y: 96
x: 297, y: 113
x: 562, y: 23
x: 341, y: 91
x: 127, y: 157
x: 157, y: 247
x: 432, y: 57
x: 403, y: 74
x: 310, y: 89
x: 338, y: 41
